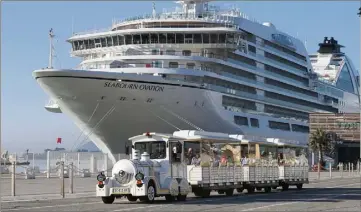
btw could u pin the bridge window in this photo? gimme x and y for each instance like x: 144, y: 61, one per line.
x: 279, y: 125
x: 344, y: 81
x: 171, y: 38
x: 109, y: 41
x: 163, y: 38
x: 188, y: 38
x: 103, y: 42
x: 145, y: 38
x: 128, y: 39
x: 179, y: 38
x: 197, y: 38
x: 154, y: 38
x: 205, y: 38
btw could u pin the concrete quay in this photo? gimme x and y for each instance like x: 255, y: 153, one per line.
x: 338, y: 194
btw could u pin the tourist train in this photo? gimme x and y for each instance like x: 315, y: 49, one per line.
x: 174, y: 165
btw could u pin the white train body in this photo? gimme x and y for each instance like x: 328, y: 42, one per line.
x: 162, y: 170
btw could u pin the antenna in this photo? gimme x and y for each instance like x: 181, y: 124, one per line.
x: 51, y: 36
x: 154, y: 12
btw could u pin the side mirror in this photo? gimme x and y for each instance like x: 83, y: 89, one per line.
x: 127, y: 150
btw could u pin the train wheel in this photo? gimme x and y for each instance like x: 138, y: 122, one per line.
x: 285, y: 187
x: 182, y: 197
x: 229, y: 192
x: 169, y: 198
x: 220, y: 191
x: 267, y: 189
x: 259, y: 189
x: 299, y: 186
x: 240, y: 190
x: 250, y: 190
x: 108, y: 200
x: 131, y: 198
x: 206, y: 193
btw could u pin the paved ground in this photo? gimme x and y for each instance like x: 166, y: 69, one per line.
x: 328, y: 195
x: 45, y: 188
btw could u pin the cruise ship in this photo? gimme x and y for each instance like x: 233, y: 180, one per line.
x: 197, y: 67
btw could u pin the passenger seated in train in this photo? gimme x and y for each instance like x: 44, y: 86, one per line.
x: 196, y: 160
x: 244, y: 160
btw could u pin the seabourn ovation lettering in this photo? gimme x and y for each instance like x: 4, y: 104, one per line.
x: 155, y: 88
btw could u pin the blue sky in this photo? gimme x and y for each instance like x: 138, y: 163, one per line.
x: 25, y: 47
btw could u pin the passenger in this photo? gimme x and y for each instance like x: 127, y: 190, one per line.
x: 189, y: 156
x: 196, y: 160
x: 244, y: 160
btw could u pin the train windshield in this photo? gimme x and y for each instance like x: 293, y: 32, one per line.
x: 155, y: 149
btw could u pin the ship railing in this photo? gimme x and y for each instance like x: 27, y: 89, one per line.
x: 92, y: 31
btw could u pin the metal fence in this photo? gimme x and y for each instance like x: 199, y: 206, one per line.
x: 74, y: 173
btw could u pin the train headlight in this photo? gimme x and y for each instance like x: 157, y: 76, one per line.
x: 101, y: 177
x: 139, y: 176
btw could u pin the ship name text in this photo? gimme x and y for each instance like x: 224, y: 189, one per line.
x: 134, y: 86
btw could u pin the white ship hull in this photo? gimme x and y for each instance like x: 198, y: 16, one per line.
x: 135, y: 107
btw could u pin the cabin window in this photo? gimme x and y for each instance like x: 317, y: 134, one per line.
x: 279, y: 125
x: 155, y: 52
x: 170, y: 52
x: 173, y: 65
x: 300, y: 128
x: 240, y: 120
x: 156, y: 149
x: 254, y: 122
x: 186, y: 53
x: 190, y: 65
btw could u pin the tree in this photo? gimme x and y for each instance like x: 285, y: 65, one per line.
x: 320, y: 142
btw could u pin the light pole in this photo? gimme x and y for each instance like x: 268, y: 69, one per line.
x: 359, y: 14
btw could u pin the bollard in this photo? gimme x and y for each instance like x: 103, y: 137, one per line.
x: 71, y: 177
x: 62, y: 183
x: 352, y: 169
x: 33, y: 161
x: 48, y: 165
x: 13, y: 177
x: 330, y: 165
x: 341, y: 170
x: 78, y: 165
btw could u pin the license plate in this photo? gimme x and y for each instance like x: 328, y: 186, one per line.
x: 121, y: 190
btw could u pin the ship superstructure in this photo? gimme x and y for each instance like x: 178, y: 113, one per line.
x: 200, y: 68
